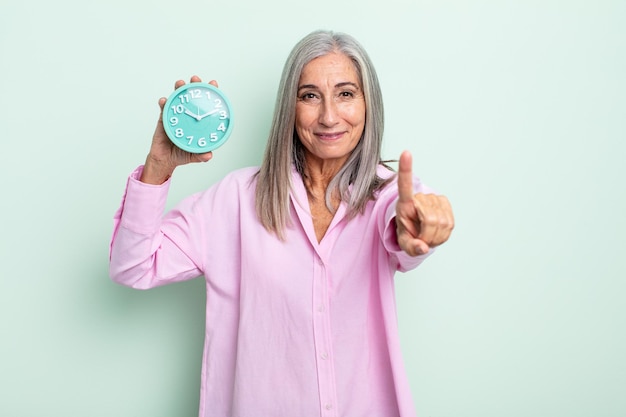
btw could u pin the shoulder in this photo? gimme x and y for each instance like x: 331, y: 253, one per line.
x: 385, y: 172
x: 389, y: 178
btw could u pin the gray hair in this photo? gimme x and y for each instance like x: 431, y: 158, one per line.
x: 284, y: 150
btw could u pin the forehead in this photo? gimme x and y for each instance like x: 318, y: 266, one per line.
x: 333, y: 67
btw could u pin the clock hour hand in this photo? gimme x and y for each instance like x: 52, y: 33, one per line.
x: 195, y: 116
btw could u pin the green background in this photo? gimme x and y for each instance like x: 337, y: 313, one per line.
x: 514, y: 109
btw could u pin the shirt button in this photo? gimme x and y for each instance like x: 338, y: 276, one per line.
x: 324, y: 355
x: 329, y: 406
x: 320, y: 309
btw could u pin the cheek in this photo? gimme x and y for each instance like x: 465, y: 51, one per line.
x: 358, y: 121
x: 355, y: 115
x: 304, y: 117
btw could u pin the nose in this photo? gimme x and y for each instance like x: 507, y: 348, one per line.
x: 328, y: 112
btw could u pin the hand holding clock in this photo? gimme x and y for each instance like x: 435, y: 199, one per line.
x: 164, y: 156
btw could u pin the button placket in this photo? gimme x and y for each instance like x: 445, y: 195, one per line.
x: 323, y: 340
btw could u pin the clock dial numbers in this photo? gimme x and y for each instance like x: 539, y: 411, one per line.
x: 193, y: 94
x: 200, y: 142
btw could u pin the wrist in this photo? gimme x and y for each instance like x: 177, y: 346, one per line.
x: 155, y: 172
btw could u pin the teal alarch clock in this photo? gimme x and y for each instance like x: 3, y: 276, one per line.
x: 197, y: 117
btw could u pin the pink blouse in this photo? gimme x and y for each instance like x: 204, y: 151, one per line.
x: 294, y: 328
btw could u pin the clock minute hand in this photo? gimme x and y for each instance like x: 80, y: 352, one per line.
x: 208, y: 114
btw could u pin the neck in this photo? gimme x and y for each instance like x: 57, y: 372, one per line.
x: 320, y: 172
x: 317, y: 177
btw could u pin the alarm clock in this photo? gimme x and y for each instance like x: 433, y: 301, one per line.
x: 197, y: 117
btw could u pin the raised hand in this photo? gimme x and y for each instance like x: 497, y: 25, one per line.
x: 423, y: 221
x: 164, y: 156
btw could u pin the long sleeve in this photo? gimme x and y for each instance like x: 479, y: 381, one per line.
x: 141, y: 254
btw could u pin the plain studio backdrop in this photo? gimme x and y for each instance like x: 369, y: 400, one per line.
x: 514, y: 109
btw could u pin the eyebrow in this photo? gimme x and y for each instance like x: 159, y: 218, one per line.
x: 340, y: 85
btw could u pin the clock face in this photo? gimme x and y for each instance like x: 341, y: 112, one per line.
x: 197, y: 118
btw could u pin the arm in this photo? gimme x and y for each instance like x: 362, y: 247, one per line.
x: 148, y: 250
x: 142, y: 254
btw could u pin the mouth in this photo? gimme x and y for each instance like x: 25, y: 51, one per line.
x: 330, y: 136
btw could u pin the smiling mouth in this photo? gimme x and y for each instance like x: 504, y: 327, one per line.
x: 330, y: 136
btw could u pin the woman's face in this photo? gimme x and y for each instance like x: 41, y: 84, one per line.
x: 330, y: 110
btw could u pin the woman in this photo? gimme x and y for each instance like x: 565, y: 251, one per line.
x: 299, y: 254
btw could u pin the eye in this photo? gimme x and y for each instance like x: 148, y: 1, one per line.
x: 309, y: 97
x: 347, y: 95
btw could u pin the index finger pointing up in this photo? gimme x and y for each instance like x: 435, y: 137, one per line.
x: 405, y: 177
